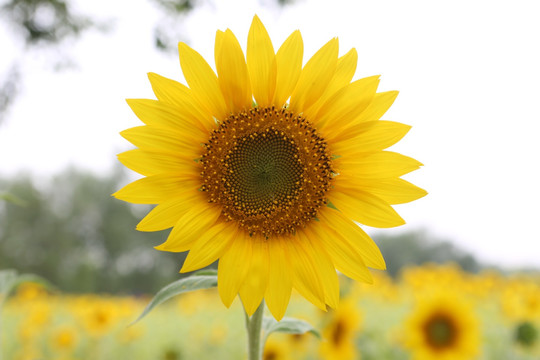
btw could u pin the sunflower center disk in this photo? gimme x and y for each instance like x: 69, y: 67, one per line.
x: 265, y: 172
x: 268, y: 169
x: 440, y: 331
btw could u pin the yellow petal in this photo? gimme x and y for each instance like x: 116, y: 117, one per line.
x: 233, y: 74
x: 261, y: 63
x: 191, y: 226
x: 159, y: 113
x: 202, y: 80
x: 217, y: 46
x: 167, y: 214
x: 153, y: 162
x: 289, y: 66
x: 315, y: 77
x: 378, y: 135
x: 345, y: 257
x: 380, y: 103
x: 325, y: 267
x: 365, y: 208
x: 179, y: 95
x: 279, y: 288
x: 161, y: 139
x: 394, y: 191
x: 211, y: 246
x: 155, y: 189
x: 346, y: 66
x: 306, y: 276
x: 378, y: 165
x: 352, y: 243
x: 254, y: 286
x: 346, y: 104
x: 233, y: 267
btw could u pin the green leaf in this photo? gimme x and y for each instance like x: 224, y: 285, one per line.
x: 288, y: 326
x: 12, y: 199
x: 192, y: 283
x: 9, y: 280
x: 24, y: 278
x: 205, y: 272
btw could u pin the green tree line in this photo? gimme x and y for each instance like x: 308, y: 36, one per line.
x: 70, y: 230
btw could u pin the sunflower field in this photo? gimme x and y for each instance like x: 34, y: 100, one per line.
x: 428, y: 312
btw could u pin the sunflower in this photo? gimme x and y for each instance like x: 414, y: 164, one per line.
x: 442, y: 327
x: 267, y: 166
x: 275, y: 350
x: 339, y: 334
x: 64, y: 338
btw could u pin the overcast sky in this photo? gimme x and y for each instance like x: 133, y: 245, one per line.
x: 468, y: 74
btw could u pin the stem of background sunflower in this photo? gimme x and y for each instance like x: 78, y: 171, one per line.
x: 253, y: 327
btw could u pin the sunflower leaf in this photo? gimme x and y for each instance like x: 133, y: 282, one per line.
x: 9, y: 280
x: 205, y: 272
x: 288, y: 326
x: 192, y: 283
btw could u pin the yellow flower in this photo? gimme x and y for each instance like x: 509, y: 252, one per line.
x: 267, y: 166
x: 99, y: 315
x: 30, y: 291
x: 275, y: 350
x: 442, y: 327
x: 64, y: 338
x: 520, y: 299
x: 339, y: 334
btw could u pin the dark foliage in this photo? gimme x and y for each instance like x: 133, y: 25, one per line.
x: 72, y: 232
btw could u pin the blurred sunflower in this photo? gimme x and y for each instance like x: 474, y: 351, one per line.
x: 64, y: 338
x: 98, y: 315
x: 275, y: 350
x: 442, y: 327
x: 339, y: 333
x: 267, y: 166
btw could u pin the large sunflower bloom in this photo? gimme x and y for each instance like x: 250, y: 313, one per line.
x: 267, y: 166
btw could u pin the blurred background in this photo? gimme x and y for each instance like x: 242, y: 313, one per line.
x: 468, y: 78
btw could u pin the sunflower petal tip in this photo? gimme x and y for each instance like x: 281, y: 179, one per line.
x: 278, y: 316
x: 161, y: 247
x: 182, y: 46
x: 225, y: 301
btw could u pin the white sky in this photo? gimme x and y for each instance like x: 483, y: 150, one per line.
x: 468, y: 74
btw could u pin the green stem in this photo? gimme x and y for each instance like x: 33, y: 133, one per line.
x: 2, y: 299
x: 253, y: 327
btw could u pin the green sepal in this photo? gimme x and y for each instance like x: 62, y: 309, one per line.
x: 197, y: 281
x: 330, y: 205
x: 288, y: 326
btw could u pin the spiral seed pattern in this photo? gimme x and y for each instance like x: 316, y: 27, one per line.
x: 268, y: 169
